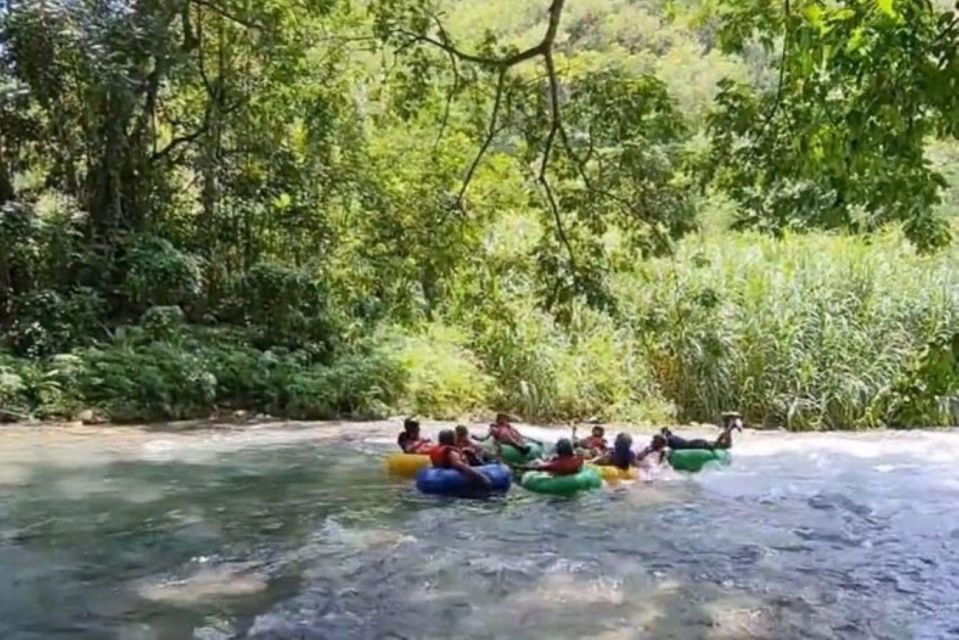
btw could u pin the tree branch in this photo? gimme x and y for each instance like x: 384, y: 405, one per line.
x: 452, y: 92
x: 782, y: 69
x: 503, y: 64
x: 249, y: 24
x: 176, y: 142
x: 194, y: 136
x: 543, y: 49
x: 556, y: 125
x: 490, y: 135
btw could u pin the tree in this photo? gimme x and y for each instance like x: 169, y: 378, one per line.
x: 590, y: 177
x: 839, y: 141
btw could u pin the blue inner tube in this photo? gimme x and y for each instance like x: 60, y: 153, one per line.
x: 450, y: 482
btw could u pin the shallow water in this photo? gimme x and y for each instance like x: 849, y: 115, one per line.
x: 295, y: 531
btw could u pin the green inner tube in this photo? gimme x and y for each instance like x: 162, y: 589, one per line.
x: 696, y: 459
x: 512, y: 455
x: 543, y: 482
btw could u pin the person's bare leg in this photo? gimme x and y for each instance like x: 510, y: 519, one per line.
x: 725, y: 440
x: 731, y: 420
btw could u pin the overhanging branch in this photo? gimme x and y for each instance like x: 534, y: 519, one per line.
x: 503, y: 64
x: 555, y: 126
x: 229, y: 15
x: 490, y: 135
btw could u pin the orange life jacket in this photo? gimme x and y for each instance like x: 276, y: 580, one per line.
x: 440, y: 456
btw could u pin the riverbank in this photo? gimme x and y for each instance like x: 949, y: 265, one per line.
x: 809, y: 332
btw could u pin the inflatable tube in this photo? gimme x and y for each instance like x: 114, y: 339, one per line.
x: 450, y: 482
x: 610, y: 473
x: 406, y: 464
x: 543, y: 482
x: 695, y: 459
x: 512, y: 455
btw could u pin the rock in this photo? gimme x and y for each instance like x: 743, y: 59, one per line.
x: 89, y: 416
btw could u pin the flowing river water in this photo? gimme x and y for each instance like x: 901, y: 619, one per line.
x: 295, y: 531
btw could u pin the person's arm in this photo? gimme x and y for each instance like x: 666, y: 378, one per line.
x: 457, y: 462
x: 421, y: 446
x: 647, y: 452
x: 489, y: 434
x: 514, y: 442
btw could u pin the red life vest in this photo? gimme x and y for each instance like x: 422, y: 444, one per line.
x: 595, y: 442
x: 440, y: 456
x: 563, y: 466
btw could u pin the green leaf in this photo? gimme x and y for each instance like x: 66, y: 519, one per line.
x: 886, y: 6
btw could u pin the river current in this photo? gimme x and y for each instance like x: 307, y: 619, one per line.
x: 295, y: 531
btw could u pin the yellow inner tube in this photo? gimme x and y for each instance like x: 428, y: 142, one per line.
x: 406, y: 464
x: 614, y: 474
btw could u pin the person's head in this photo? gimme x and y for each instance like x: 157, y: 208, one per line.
x: 622, y: 451
x: 502, y: 418
x: 462, y: 433
x: 732, y: 420
x: 412, y: 428
x: 658, y: 443
x: 665, y: 432
x: 598, y: 432
x: 447, y: 437
x: 564, y: 448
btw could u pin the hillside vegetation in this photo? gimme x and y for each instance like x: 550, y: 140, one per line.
x: 654, y: 212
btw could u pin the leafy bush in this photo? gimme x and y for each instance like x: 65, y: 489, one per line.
x: 603, y: 373
x: 151, y: 375
x: 36, y: 389
x: 13, y: 403
x: 444, y: 378
x: 154, y: 381
x: 362, y: 385
x: 547, y: 371
x: 160, y: 274
x: 284, y: 307
x: 45, y: 322
x: 163, y: 323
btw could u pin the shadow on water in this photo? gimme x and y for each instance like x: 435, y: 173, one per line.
x: 310, y: 540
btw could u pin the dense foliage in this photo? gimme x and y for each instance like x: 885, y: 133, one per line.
x: 563, y: 208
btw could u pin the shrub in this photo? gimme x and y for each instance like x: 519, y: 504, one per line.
x: 154, y: 381
x: 160, y: 274
x: 443, y: 377
x: 45, y: 322
x: 285, y: 307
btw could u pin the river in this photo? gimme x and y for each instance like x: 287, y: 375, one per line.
x: 295, y: 531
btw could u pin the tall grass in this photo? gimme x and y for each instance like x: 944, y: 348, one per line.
x: 812, y: 331
x: 808, y: 332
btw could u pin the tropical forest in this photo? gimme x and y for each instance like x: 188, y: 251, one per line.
x: 641, y: 211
